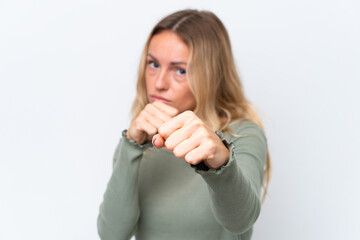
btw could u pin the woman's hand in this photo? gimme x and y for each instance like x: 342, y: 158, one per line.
x: 147, y: 123
x: 189, y: 138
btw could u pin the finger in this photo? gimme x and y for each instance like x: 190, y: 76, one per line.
x: 196, y: 155
x: 151, y: 118
x: 158, y: 141
x: 185, y: 147
x: 177, y: 122
x: 147, y: 127
x: 169, y: 110
x: 158, y: 115
x: 180, y: 135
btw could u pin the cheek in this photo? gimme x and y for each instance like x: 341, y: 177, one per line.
x: 149, y: 81
x: 186, y: 98
x: 191, y: 100
x: 188, y: 93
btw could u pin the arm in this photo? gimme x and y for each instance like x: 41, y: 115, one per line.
x: 119, y: 210
x: 234, y: 176
x: 234, y: 188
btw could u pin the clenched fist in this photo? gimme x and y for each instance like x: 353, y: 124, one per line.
x: 188, y: 137
x: 147, y: 123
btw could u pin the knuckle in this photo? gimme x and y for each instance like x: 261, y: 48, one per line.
x: 177, y: 153
x: 148, y: 107
x: 152, y: 132
x: 162, y: 131
x: 189, y: 159
x: 175, y: 111
x: 157, y: 104
x: 211, y: 146
x: 168, y: 145
x: 197, y: 124
x: 204, y: 134
x: 188, y: 113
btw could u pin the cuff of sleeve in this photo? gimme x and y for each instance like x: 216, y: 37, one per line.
x: 133, y: 143
x: 202, y: 169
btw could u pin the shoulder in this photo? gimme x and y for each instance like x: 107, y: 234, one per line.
x: 246, y: 127
x: 246, y: 137
x: 246, y: 132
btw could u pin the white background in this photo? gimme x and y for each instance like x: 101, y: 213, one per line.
x: 67, y: 81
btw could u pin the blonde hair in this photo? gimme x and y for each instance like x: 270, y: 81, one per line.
x: 211, y: 72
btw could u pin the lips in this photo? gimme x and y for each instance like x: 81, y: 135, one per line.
x: 160, y: 99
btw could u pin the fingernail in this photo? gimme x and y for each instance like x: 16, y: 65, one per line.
x: 153, y: 142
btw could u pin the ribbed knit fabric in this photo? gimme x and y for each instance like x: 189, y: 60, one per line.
x: 156, y: 196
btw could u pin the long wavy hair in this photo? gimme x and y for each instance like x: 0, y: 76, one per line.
x: 211, y: 73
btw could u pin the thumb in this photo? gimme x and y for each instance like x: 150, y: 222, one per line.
x: 158, y: 141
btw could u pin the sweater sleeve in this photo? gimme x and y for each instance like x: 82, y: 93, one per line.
x: 119, y: 211
x: 234, y: 189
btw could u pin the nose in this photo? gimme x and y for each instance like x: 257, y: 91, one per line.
x: 162, y: 81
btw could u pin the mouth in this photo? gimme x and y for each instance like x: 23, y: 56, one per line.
x: 158, y: 98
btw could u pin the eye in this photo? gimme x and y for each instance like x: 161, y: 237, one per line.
x: 153, y: 64
x: 180, y: 71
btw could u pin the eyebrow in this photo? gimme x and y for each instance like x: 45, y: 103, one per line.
x: 171, y: 63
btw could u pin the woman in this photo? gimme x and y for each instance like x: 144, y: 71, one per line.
x: 174, y: 176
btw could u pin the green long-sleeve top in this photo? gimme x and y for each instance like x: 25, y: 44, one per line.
x: 155, y: 195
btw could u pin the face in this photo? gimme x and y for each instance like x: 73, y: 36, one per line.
x: 166, y: 72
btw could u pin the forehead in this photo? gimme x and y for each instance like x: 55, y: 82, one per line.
x: 168, y: 46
